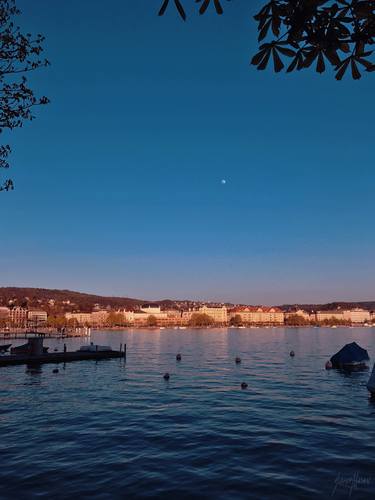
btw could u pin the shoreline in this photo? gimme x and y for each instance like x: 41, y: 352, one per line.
x: 221, y: 327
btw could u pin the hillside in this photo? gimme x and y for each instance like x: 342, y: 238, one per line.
x: 61, y: 301
x: 368, y: 305
x: 66, y: 300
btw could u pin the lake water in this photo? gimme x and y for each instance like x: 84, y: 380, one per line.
x: 112, y: 429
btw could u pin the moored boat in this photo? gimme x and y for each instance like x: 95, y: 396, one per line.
x: 350, y: 357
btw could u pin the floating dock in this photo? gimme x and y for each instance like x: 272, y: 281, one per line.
x: 59, y: 357
x: 34, y: 353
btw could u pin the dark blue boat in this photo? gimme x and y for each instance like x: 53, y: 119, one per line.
x: 350, y: 357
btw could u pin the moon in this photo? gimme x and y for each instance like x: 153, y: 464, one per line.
x: 223, y: 181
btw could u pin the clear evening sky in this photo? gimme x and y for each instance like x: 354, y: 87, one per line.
x: 118, y: 180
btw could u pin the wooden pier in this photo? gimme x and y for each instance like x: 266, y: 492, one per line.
x: 23, y: 334
x: 59, y: 357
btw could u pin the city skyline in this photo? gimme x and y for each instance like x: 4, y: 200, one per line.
x: 120, y: 192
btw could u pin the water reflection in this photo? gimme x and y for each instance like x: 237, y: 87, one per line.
x: 105, y: 423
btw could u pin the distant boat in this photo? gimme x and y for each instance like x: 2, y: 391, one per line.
x: 182, y: 327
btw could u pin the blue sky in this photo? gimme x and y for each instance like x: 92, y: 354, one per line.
x: 118, y: 180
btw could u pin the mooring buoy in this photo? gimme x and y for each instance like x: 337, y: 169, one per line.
x: 244, y: 385
x: 166, y: 376
x: 178, y: 357
x: 55, y: 370
x: 238, y: 360
x: 328, y: 365
x: 292, y: 354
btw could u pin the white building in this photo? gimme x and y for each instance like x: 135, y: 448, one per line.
x: 81, y: 318
x: 151, y: 309
x: 218, y: 314
x: 337, y: 314
x: 99, y: 318
x: 258, y: 314
x: 357, y: 315
x: 36, y: 317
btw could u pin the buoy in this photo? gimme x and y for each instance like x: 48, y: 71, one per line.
x: 292, y: 354
x: 328, y: 365
x: 238, y: 360
x: 55, y: 349
x: 178, y: 357
x: 371, y: 383
x: 55, y: 370
x: 166, y: 376
x: 244, y: 385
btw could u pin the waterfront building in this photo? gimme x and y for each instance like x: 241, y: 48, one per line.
x: 357, y: 315
x: 140, y: 317
x: 36, y: 317
x: 258, y: 314
x: 218, y: 314
x: 82, y: 318
x: 18, y: 317
x: 99, y: 318
x: 153, y: 309
x: 337, y: 314
x: 299, y: 312
x: 186, y: 316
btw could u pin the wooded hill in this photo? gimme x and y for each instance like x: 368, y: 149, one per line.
x: 67, y: 300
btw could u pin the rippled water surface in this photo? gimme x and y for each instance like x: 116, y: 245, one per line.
x: 112, y: 429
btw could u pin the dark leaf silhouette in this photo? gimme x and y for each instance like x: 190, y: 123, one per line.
x: 339, y: 33
x: 19, y: 54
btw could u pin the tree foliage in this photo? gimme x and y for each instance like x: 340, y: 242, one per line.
x: 115, y: 319
x: 152, y: 321
x: 297, y: 34
x: 296, y: 320
x: 201, y: 319
x: 19, y: 54
x: 236, y: 320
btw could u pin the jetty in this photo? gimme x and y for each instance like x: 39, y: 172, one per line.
x: 34, y: 353
x: 48, y: 333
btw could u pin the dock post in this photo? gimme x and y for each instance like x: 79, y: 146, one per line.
x: 120, y: 347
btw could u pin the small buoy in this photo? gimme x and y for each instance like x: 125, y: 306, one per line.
x: 55, y: 349
x: 292, y: 354
x: 328, y: 365
x: 166, y: 376
x: 244, y: 385
x: 178, y: 357
x: 238, y: 360
x: 55, y: 370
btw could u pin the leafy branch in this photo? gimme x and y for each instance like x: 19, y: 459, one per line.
x: 297, y: 34
x: 19, y: 54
